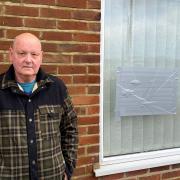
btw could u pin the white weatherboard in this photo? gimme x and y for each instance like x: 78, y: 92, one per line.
x: 146, y: 91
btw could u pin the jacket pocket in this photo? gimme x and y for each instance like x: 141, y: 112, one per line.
x: 50, y: 119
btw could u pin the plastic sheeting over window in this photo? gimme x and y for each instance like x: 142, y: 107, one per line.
x: 140, y: 34
x: 145, y: 91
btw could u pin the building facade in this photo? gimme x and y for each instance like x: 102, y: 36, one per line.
x: 80, y: 39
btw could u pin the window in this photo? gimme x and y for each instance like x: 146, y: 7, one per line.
x: 138, y: 34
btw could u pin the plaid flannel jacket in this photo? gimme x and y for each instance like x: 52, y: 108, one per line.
x: 38, y: 132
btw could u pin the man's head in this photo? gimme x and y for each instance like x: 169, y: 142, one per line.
x: 26, y: 57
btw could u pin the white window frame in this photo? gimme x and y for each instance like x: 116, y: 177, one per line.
x: 125, y: 163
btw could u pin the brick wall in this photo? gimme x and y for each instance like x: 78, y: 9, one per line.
x: 70, y: 35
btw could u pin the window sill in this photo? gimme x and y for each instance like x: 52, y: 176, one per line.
x: 115, y: 168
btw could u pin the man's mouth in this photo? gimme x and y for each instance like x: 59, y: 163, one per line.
x: 27, y: 67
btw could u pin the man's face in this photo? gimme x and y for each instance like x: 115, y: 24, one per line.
x: 26, y: 57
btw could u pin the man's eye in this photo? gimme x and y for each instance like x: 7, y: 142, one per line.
x: 34, y: 54
x: 21, y: 53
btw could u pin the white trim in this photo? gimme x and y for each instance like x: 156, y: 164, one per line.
x: 125, y: 163
x: 101, y: 80
x: 141, y: 156
x: 137, y: 165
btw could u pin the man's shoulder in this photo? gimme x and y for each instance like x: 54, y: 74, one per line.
x: 1, y: 76
x: 56, y: 79
x: 58, y: 85
x: 58, y: 82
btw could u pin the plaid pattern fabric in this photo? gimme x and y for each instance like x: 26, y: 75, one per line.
x: 13, y: 145
x: 56, y: 136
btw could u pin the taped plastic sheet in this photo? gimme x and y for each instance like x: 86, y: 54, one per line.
x: 146, y: 91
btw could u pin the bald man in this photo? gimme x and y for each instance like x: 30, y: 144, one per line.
x: 38, y: 123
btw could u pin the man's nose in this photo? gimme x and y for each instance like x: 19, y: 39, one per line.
x: 28, y: 57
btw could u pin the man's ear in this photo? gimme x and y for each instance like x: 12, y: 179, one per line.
x: 42, y: 54
x: 10, y: 54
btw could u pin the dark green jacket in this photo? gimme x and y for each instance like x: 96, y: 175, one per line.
x: 38, y: 132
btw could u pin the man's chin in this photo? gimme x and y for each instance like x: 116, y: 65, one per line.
x: 28, y: 73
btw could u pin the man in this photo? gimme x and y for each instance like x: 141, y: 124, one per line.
x: 38, y: 124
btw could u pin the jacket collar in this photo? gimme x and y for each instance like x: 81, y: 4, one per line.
x: 8, y: 79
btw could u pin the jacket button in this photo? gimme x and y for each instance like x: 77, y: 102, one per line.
x: 29, y: 100
x: 52, y: 111
x: 33, y: 162
x: 30, y: 120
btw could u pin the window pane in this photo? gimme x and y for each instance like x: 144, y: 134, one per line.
x: 139, y: 33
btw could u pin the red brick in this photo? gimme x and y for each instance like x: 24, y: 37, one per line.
x: 94, y: 4
x: 22, y: 11
x: 75, y: 90
x: 5, y: 45
x: 87, y: 177
x: 80, y: 110
x: 72, y: 3
x: 135, y: 173
x: 132, y: 178
x: 1, y: 9
x: 81, y: 151
x: 40, y: 23
x: 93, y: 129
x: 4, y: 67
x: 47, y: 2
x: 11, y: 33
x: 174, y: 166
x: 93, y: 110
x: 73, y: 48
x: 6, y: 56
x: 176, y: 178
x: 113, y: 177
x: 72, y: 69
x: 157, y: 169
x: 72, y: 25
x: 79, y: 171
x: 93, y: 90
x: 88, y: 79
x: 89, y: 169
x: 57, y: 36
x: 66, y: 79
x: 88, y: 120
x: 153, y: 177
x: 85, y: 100
x: 50, y: 69
x: 11, y: 21
x: 80, y: 79
x: 94, y: 48
x: 87, y: 160
x: 55, y: 13
x: 86, y: 15
x: 93, y: 149
x: 56, y: 58
x: 82, y: 130
x: 94, y: 27
x: 86, y: 59
x: 1, y: 33
x: 86, y: 37
x: 89, y: 140
x: 1, y: 57
x: 50, y: 47
x: 95, y: 69
x: 171, y: 174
